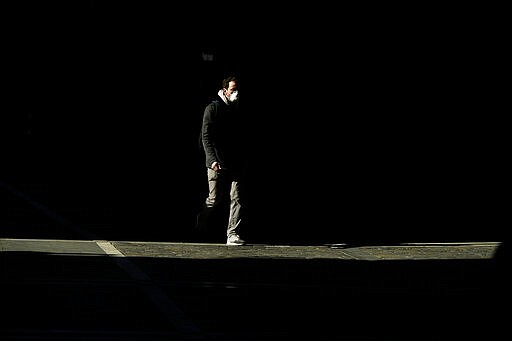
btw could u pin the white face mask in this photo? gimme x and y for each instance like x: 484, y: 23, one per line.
x: 234, y: 96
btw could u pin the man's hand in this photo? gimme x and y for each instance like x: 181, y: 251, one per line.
x: 216, y: 166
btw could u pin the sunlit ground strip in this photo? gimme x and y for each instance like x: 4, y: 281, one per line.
x: 399, y: 251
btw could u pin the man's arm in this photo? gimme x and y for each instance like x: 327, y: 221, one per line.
x: 207, y: 132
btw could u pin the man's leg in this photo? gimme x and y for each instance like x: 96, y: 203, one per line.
x: 235, y: 215
x: 207, y: 219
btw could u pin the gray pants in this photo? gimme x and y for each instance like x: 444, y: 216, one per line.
x: 222, y: 186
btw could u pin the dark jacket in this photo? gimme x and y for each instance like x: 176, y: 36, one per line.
x: 223, y: 135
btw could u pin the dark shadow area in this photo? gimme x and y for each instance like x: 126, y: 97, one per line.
x: 71, y: 209
x: 382, y: 132
x: 385, y: 132
x: 324, y: 299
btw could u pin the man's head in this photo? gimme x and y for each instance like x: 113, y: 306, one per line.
x: 230, y: 88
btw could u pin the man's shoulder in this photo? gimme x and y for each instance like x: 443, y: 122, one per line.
x: 209, y: 106
x: 214, y: 103
x: 211, y: 109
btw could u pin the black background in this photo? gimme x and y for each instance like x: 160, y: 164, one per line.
x: 365, y: 124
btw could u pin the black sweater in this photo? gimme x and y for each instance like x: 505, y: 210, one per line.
x: 223, y: 135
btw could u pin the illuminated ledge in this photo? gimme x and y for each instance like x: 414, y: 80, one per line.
x: 401, y: 251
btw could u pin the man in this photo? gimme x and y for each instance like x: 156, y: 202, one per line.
x: 222, y: 136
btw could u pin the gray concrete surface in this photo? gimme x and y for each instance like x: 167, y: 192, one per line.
x: 125, y: 290
x: 57, y: 284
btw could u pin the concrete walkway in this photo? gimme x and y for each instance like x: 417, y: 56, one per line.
x: 125, y: 290
x: 73, y: 286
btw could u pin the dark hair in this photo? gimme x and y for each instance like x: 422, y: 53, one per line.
x: 225, y: 81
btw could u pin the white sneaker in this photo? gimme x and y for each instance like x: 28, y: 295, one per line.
x: 234, y: 239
